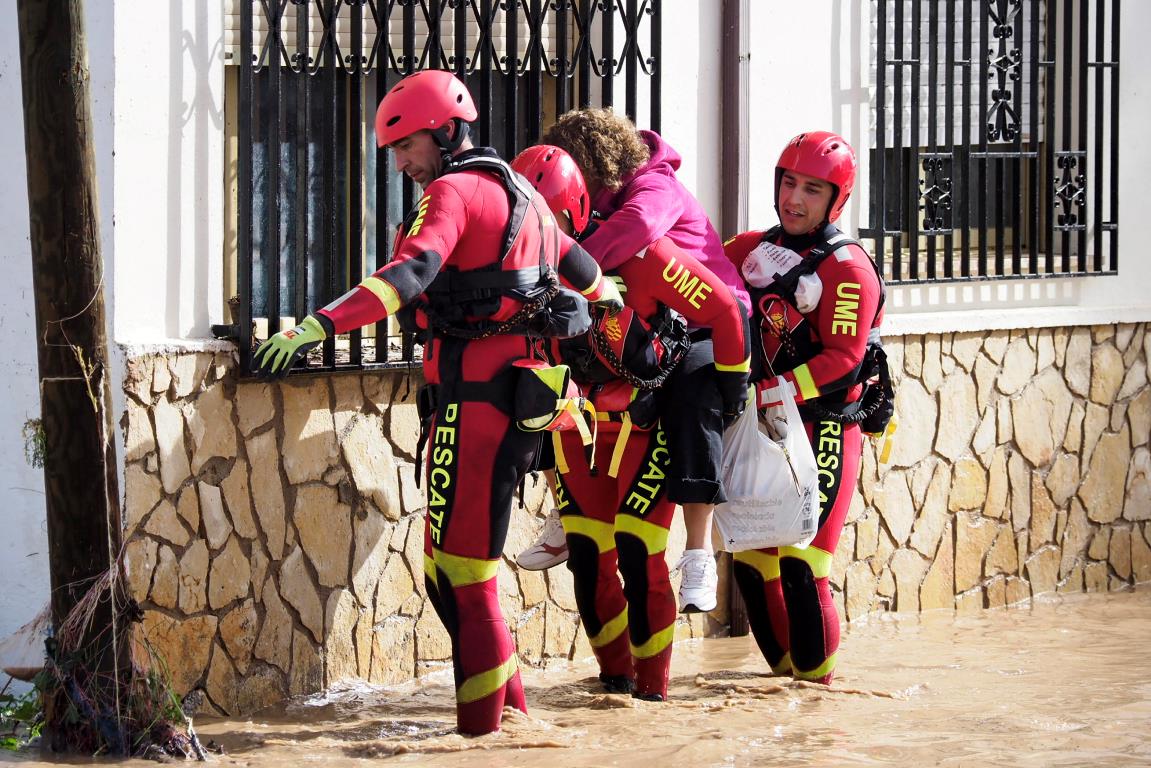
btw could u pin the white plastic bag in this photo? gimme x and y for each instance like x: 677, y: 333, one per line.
x: 772, y: 486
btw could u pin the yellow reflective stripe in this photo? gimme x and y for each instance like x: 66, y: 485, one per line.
x: 595, y: 284
x: 784, y: 667
x: 653, y: 536
x: 817, y: 559
x: 594, y: 434
x: 462, y: 571
x: 805, y: 382
x: 656, y: 643
x: 573, y: 407
x: 766, y: 565
x: 561, y: 460
x: 743, y: 367
x: 430, y: 569
x: 383, y: 291
x: 610, y: 630
x: 603, y: 534
x: 620, y: 444
x: 486, y: 683
x: 814, y: 674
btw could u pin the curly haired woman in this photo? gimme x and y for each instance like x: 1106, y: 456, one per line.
x: 630, y: 175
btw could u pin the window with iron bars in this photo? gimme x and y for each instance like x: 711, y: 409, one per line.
x: 316, y: 204
x: 995, y: 139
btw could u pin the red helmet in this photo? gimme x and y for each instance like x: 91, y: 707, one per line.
x: 425, y: 100
x: 556, y: 176
x: 822, y: 155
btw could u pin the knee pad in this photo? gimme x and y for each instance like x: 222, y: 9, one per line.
x: 811, y: 640
x: 797, y: 579
x: 767, y: 635
x: 633, y: 565
x: 583, y: 562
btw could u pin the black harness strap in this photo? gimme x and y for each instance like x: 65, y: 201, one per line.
x: 519, y: 191
x: 673, y: 336
x: 874, y: 361
x: 831, y: 240
x: 456, y: 297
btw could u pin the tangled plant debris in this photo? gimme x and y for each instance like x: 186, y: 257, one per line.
x: 131, y: 711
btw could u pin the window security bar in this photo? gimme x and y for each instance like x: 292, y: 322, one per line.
x: 996, y: 139
x: 317, y: 203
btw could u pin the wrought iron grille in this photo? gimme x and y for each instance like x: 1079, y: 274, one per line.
x: 317, y: 204
x: 996, y: 139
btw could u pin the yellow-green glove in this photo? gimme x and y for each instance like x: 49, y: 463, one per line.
x: 610, y: 301
x: 278, y: 354
x: 620, y: 285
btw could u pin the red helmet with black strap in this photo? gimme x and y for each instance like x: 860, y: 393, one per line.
x: 425, y: 101
x: 821, y: 155
x: 557, y: 178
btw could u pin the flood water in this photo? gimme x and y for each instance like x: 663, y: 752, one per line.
x: 1065, y: 681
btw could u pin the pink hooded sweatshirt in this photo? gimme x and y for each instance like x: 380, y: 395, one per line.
x: 650, y: 204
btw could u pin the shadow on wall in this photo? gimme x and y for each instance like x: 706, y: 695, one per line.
x: 192, y: 122
x: 851, y: 100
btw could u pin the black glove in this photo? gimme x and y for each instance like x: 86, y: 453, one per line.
x: 733, y: 392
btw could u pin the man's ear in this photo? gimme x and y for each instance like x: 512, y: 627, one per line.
x: 450, y: 128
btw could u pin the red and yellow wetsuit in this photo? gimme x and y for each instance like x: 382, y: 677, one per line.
x: 621, y: 521
x: 476, y: 456
x: 820, y: 352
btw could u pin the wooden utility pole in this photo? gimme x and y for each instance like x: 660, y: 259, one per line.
x: 734, y: 162
x: 80, y: 483
x: 735, y: 111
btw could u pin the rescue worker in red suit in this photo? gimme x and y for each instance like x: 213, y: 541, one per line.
x: 817, y: 348
x: 475, y: 218
x: 615, y: 509
x: 631, y: 178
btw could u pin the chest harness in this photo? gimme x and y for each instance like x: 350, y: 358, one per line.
x: 460, y: 303
x: 876, y: 404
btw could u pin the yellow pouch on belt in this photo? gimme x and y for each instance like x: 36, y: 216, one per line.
x: 548, y: 400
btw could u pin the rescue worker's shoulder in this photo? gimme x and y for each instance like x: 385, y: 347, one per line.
x: 742, y: 244
x: 465, y: 188
x: 849, y: 262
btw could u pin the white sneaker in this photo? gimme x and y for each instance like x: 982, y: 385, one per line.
x: 699, y: 581
x: 550, y: 547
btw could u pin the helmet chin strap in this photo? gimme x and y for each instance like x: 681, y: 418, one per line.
x: 449, y: 145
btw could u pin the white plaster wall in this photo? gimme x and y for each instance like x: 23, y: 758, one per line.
x: 169, y: 102
x: 800, y: 80
x: 24, y: 548
x: 24, y: 551
x: 168, y: 169
x: 809, y: 69
x: 691, y: 98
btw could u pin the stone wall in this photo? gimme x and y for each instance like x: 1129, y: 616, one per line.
x: 275, y: 531
x: 1020, y: 466
x: 275, y: 535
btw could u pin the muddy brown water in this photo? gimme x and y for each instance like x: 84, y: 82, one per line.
x: 1065, y: 681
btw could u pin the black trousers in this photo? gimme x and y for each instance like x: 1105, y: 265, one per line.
x: 691, y: 412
